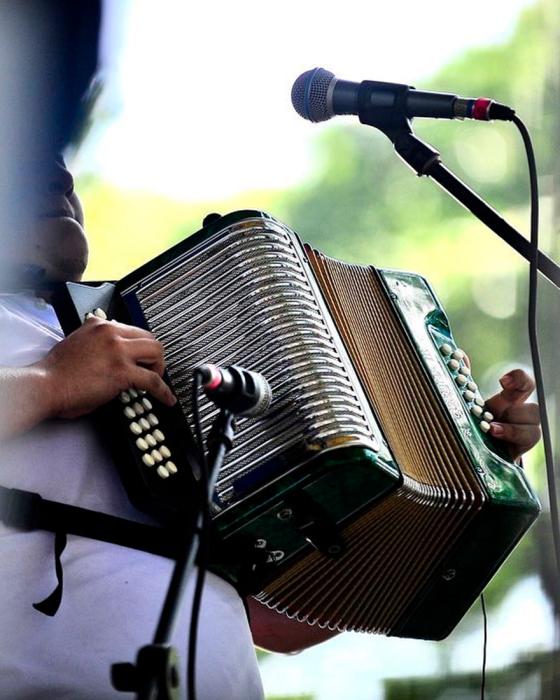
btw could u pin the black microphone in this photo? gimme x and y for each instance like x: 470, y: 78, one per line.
x: 318, y: 95
x: 240, y: 390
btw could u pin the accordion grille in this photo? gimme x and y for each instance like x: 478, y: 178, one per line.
x: 246, y: 298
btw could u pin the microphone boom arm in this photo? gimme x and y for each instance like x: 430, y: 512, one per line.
x: 425, y: 160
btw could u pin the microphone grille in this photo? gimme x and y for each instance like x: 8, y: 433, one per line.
x: 310, y: 95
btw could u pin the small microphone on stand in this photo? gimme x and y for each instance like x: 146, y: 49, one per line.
x: 240, y: 390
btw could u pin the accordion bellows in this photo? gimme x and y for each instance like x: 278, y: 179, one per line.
x: 369, y: 497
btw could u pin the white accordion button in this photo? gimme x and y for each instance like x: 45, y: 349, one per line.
x: 124, y: 396
x: 150, y: 439
x: 147, y: 404
x: 480, y: 402
x: 476, y: 411
x: 471, y: 386
x: 156, y: 456
x: 148, y: 460
x: 152, y: 419
x: 465, y: 371
x: 461, y: 380
x: 453, y: 365
x: 469, y: 396
x: 458, y: 354
x: 141, y: 444
x: 488, y: 416
x: 136, y: 429
x: 159, y: 436
x: 129, y: 412
x: 144, y: 424
x: 162, y: 471
x: 171, y: 468
x: 88, y: 315
x: 165, y: 451
x: 484, y: 426
x: 138, y: 408
x: 100, y: 314
x: 133, y: 393
x: 445, y: 349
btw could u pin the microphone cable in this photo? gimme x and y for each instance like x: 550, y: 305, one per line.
x: 203, y: 536
x: 534, y: 344
x: 537, y: 371
x: 484, y: 647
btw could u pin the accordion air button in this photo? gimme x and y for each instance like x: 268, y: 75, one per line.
x: 144, y: 424
x: 100, y: 314
x: 88, y: 316
x: 480, y: 402
x: 460, y: 380
x: 471, y: 386
x: 469, y: 396
x: 484, y: 426
x: 156, y: 456
x: 159, y: 436
x: 141, y: 444
x: 453, y: 365
x: 129, y: 412
x: 150, y: 439
x: 147, y: 404
x: 164, y: 451
x: 136, y: 429
x: 445, y: 349
x: 124, y: 397
x: 138, y: 408
x: 133, y: 393
x: 152, y: 419
x: 162, y: 471
x: 465, y: 371
x: 458, y: 354
x: 488, y: 416
x: 476, y: 411
x: 148, y: 460
x: 171, y: 468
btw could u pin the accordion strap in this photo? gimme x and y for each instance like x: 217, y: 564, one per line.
x: 28, y: 511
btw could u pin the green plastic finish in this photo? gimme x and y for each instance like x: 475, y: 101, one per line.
x: 428, y: 328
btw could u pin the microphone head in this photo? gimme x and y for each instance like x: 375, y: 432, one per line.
x: 312, y: 94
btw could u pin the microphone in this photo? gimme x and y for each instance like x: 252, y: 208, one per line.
x: 318, y: 95
x: 240, y: 390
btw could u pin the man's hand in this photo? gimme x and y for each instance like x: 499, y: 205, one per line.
x: 98, y: 361
x: 515, y: 421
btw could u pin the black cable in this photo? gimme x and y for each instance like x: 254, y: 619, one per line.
x: 484, y: 648
x: 203, y: 539
x: 533, y: 340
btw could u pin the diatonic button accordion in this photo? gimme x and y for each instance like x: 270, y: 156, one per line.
x: 370, y: 497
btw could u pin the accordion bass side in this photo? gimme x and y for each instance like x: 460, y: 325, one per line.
x: 370, y: 497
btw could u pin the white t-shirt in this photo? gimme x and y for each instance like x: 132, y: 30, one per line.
x: 112, y: 595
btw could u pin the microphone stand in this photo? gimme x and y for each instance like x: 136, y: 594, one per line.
x: 425, y: 160
x: 156, y: 673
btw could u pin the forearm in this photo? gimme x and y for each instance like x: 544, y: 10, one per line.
x: 26, y: 399
x: 275, y: 632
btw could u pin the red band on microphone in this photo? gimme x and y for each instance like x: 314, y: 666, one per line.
x: 215, y: 378
x: 480, y: 109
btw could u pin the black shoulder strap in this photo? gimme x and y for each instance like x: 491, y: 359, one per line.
x: 26, y: 510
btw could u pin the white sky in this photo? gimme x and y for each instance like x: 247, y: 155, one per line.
x: 199, y: 92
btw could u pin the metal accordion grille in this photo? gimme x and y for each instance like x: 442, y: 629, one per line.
x: 245, y: 297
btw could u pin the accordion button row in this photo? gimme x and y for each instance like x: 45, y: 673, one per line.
x: 138, y: 409
x: 454, y: 359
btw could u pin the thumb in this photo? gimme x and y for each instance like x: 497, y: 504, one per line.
x: 517, y: 386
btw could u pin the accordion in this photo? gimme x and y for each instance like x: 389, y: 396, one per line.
x: 370, y: 497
